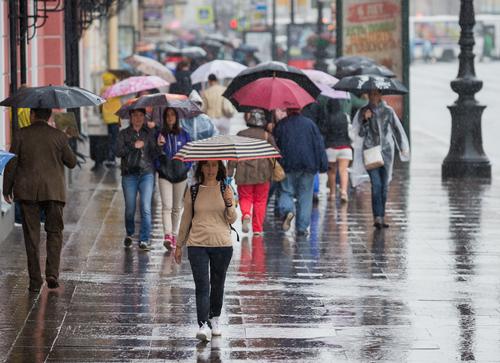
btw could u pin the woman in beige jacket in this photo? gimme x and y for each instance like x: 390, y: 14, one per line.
x: 205, y: 229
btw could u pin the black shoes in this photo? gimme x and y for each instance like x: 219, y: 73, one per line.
x: 127, y: 242
x: 52, y: 282
x: 35, y: 287
x: 379, y: 223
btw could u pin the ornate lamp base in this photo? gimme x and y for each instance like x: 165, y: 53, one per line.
x: 466, y: 157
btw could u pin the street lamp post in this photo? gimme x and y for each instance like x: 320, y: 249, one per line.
x: 320, y: 53
x: 466, y: 157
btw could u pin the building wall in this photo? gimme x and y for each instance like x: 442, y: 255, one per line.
x: 6, y: 212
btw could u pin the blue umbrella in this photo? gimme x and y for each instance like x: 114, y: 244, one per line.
x: 4, y: 159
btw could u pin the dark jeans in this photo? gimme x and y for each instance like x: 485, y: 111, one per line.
x: 378, y: 178
x: 209, y: 287
x: 54, y: 226
x: 113, y: 130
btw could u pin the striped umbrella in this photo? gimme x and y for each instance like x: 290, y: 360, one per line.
x: 227, y: 147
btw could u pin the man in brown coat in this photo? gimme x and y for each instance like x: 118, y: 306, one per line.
x: 35, y: 178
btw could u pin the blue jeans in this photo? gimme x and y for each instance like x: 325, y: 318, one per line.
x: 299, y: 185
x: 209, y: 286
x: 142, y: 184
x: 316, y: 183
x: 378, y: 178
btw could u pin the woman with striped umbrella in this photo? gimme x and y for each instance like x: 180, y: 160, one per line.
x: 209, y: 211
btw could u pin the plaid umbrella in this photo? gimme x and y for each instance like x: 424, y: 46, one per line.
x: 227, y: 147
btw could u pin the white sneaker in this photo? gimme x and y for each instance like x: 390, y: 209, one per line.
x: 245, y: 226
x: 215, y: 326
x: 204, y: 334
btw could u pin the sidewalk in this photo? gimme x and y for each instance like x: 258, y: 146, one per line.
x: 425, y: 290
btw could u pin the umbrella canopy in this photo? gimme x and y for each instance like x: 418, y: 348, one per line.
x: 320, y: 77
x: 185, y: 107
x: 247, y: 48
x: 272, y: 69
x: 133, y: 85
x: 350, y: 60
x: 360, y: 69
x: 227, y: 147
x: 193, y: 52
x: 221, y: 68
x: 271, y: 93
x: 325, y: 81
x: 367, y: 83
x: 333, y: 93
x: 150, y: 67
x: 4, y: 159
x: 53, y: 97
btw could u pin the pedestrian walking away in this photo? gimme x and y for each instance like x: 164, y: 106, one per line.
x: 303, y: 155
x: 173, y: 180
x: 377, y: 129
x: 337, y: 132
x: 137, y: 149
x: 209, y: 211
x: 41, y: 151
x: 218, y: 108
x: 253, y: 177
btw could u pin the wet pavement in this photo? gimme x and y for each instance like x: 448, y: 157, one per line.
x: 425, y: 290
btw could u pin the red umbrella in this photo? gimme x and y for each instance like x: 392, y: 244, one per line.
x: 271, y: 93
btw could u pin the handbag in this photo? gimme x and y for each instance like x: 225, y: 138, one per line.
x: 372, y: 157
x: 133, y: 160
x: 278, y: 172
x: 172, y: 170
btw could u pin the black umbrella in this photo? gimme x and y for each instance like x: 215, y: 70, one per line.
x: 272, y: 69
x: 364, y: 68
x: 53, y: 97
x: 350, y: 60
x: 247, y: 48
x: 367, y: 83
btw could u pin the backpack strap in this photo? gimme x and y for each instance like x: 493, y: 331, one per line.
x: 194, y: 193
x: 223, y: 187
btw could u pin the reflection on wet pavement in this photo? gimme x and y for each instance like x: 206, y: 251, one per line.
x: 426, y: 289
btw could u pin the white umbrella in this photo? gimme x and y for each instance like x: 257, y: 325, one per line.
x: 150, y: 67
x: 221, y: 68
